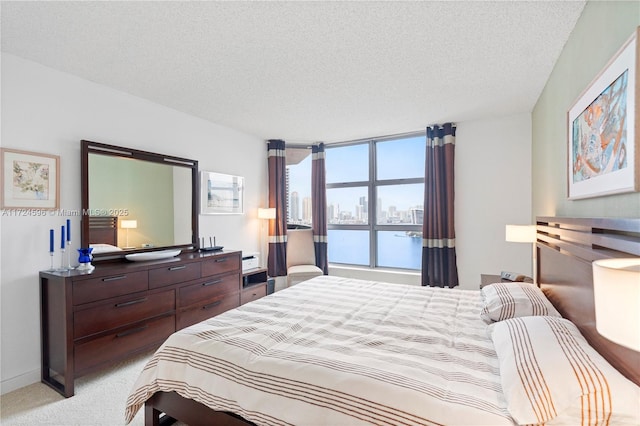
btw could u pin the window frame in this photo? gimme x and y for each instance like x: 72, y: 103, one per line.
x: 372, y: 185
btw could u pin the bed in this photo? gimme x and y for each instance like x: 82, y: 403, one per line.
x: 337, y: 351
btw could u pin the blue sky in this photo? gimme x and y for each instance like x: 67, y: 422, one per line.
x: 401, y: 158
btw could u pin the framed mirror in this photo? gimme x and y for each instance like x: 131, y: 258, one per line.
x: 136, y: 201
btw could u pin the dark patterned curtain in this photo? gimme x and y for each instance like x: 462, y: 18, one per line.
x: 438, y: 234
x: 277, y: 261
x: 319, y: 206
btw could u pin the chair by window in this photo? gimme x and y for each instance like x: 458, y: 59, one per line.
x: 301, y: 257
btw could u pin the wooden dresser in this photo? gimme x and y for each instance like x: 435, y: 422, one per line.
x: 91, y: 320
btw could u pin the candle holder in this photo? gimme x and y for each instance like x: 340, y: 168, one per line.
x: 62, y: 267
x: 69, y: 267
x: 51, y: 268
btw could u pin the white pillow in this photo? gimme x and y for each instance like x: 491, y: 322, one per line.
x: 103, y: 248
x: 551, y: 375
x: 502, y: 301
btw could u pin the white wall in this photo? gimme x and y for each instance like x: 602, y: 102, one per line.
x: 492, y: 189
x: 47, y: 111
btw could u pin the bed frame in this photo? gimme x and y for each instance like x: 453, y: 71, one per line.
x: 564, y: 251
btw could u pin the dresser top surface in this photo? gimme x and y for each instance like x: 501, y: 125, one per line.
x: 121, y: 265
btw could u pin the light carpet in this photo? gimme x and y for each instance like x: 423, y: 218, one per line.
x: 99, y: 399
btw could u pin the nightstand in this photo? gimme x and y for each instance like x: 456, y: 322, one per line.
x: 254, y: 285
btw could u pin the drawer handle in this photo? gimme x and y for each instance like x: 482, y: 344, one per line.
x: 119, y: 277
x: 212, y: 282
x: 177, y: 268
x: 132, y: 331
x: 132, y: 302
x: 224, y: 259
x: 212, y: 305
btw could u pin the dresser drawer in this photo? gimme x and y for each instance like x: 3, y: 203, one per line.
x: 253, y: 293
x: 85, y: 291
x: 122, y: 311
x: 168, y: 275
x: 115, y: 346
x: 220, y: 264
x: 205, y: 290
x: 206, y: 310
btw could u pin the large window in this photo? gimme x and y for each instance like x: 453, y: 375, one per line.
x: 375, y: 192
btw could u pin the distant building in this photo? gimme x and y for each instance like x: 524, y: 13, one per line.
x: 294, y: 208
x: 417, y: 215
x: 306, y: 210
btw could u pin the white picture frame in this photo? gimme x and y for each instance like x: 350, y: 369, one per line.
x: 603, y: 128
x: 221, y: 193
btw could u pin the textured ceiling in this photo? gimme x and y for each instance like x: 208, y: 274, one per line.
x: 305, y: 71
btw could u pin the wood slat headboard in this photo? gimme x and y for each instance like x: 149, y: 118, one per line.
x: 104, y: 230
x: 565, y: 249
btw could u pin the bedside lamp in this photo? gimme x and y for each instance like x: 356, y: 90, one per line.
x: 616, y: 292
x: 523, y: 234
x: 269, y: 213
x: 520, y: 233
x: 128, y: 224
x: 265, y: 214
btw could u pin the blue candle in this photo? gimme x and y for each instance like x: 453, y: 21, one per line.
x: 68, y: 230
x: 51, y: 241
x: 62, y: 237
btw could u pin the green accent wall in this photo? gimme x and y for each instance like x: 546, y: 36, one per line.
x: 149, y: 201
x: 602, y: 29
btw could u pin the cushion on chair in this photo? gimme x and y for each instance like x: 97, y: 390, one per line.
x: 299, y: 273
x: 299, y: 270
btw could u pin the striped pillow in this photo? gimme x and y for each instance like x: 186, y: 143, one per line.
x: 502, y: 301
x: 551, y: 375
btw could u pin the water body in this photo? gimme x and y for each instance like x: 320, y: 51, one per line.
x: 395, y: 249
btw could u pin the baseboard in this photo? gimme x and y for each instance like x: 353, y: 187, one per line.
x: 20, y: 381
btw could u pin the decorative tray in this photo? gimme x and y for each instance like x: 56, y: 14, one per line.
x: 152, y: 255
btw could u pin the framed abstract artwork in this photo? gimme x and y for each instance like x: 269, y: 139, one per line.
x: 602, y: 128
x: 221, y: 194
x: 30, y: 180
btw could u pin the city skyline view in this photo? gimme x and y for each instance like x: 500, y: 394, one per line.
x: 351, y: 164
x: 396, y: 207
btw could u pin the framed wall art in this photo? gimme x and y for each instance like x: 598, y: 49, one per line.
x: 221, y: 193
x: 603, y: 127
x: 29, y: 180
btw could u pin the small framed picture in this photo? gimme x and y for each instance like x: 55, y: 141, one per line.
x: 603, y: 127
x: 30, y: 180
x: 221, y: 194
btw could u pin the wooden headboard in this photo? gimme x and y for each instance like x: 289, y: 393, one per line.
x: 104, y: 230
x: 565, y: 249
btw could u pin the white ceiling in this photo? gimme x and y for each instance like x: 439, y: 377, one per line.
x: 305, y: 71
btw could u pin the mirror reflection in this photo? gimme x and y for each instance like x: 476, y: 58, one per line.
x: 137, y: 205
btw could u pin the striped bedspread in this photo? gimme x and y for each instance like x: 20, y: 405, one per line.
x: 336, y: 351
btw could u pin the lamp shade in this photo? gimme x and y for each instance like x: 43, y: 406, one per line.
x: 128, y: 224
x: 616, y: 290
x: 269, y: 213
x: 520, y: 233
